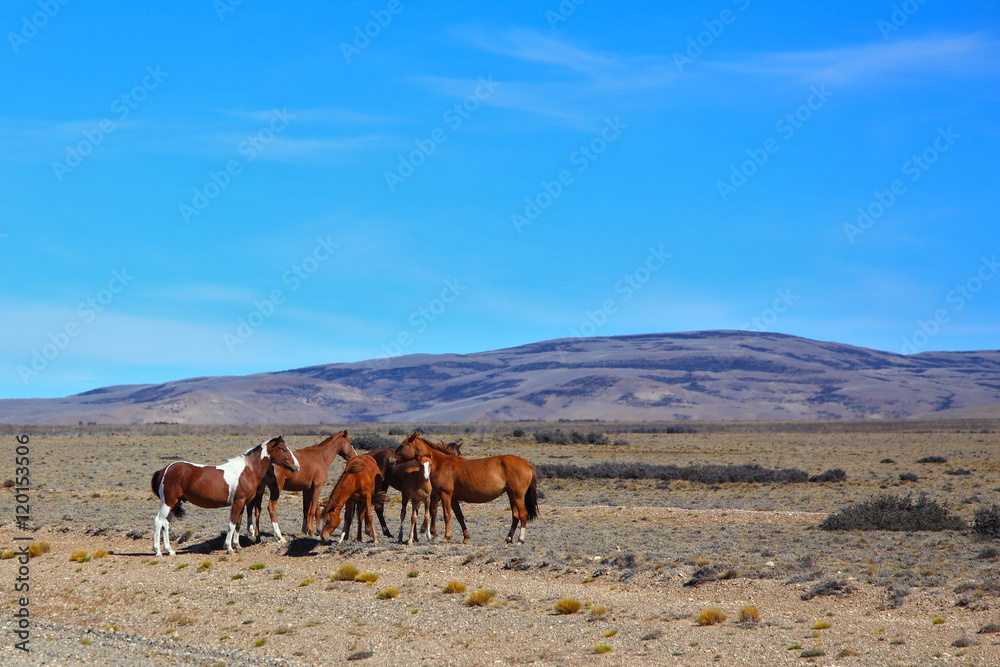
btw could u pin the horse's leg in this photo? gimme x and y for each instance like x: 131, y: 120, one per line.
x: 413, y: 518
x: 402, y: 518
x: 370, y: 520
x: 519, y: 514
x: 446, y: 509
x: 307, y: 510
x: 161, y: 525
x: 424, y: 530
x: 233, y: 536
x: 461, y: 520
x: 378, y: 502
x: 345, y: 532
x: 433, y: 510
x: 272, y: 511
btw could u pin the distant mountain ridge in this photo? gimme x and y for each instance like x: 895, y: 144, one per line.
x: 709, y: 375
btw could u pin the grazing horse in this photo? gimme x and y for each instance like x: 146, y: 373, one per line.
x: 457, y: 479
x: 231, y: 484
x: 314, y: 462
x: 415, y: 477
x: 357, y: 483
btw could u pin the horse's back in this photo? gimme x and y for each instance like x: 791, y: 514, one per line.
x: 204, y: 486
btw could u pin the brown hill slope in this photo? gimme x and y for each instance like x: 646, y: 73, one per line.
x: 699, y: 375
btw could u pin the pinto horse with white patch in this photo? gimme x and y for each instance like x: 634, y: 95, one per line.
x: 231, y: 484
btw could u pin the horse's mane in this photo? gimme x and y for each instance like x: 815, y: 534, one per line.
x: 355, y: 465
x: 436, y: 446
x: 261, y: 446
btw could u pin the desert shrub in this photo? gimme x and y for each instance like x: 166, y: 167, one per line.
x: 621, y: 441
x: 958, y: 471
x: 345, y: 572
x: 988, y: 553
x: 988, y: 629
x: 986, y: 522
x: 397, y: 430
x: 479, y: 598
x: 360, y: 655
x: 555, y: 437
x: 964, y: 642
x: 454, y: 587
x: 368, y: 441
x: 367, y: 577
x: 932, y: 459
x: 389, y: 593
x: 889, y: 512
x: 749, y: 614
x: 650, y: 636
x: 828, y: 587
x: 812, y: 653
x: 711, y: 616
x: 38, y: 548
x: 592, y: 438
x: 567, y: 606
x: 887, y: 461
x: 832, y: 475
x: 847, y: 653
x: 517, y: 433
x: 703, y: 474
x: 908, y: 477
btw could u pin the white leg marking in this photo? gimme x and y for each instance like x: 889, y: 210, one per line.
x: 229, y: 537
x: 521, y: 539
x: 251, y: 531
x: 277, y: 531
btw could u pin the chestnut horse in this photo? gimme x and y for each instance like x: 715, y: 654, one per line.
x: 457, y: 479
x: 356, y: 484
x: 391, y: 478
x: 231, y: 484
x: 415, y: 478
x: 314, y: 463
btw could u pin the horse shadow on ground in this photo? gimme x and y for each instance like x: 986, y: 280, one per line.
x: 302, y: 546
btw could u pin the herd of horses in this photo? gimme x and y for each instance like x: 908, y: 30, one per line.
x: 425, y: 473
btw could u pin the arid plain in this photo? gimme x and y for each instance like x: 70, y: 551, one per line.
x: 623, y: 548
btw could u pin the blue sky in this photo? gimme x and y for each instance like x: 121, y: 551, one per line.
x: 197, y: 189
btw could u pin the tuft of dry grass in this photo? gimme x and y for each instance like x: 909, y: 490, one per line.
x: 367, y: 577
x: 205, y: 564
x: 602, y: 648
x: 610, y: 633
x: 345, y: 572
x: 389, y: 593
x: 260, y: 642
x: 479, y: 598
x: 820, y: 625
x: 179, y: 618
x: 847, y: 652
x: 711, y: 616
x: 38, y: 548
x: 454, y: 587
x: 567, y: 606
x: 749, y: 614
x: 7, y: 554
x: 598, y: 610
x: 80, y: 556
x: 308, y: 580
x: 257, y: 566
x: 101, y: 553
x: 938, y: 621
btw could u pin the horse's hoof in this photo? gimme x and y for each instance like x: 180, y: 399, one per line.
x: 171, y: 553
x: 283, y: 540
x: 466, y: 540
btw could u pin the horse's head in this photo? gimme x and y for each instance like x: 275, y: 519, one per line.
x: 425, y: 461
x: 455, y: 447
x: 408, y: 449
x: 281, y: 455
x: 346, y: 448
x: 328, y: 524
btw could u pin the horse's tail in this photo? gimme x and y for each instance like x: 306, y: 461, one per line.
x: 155, y: 482
x: 531, y: 497
x: 178, y: 512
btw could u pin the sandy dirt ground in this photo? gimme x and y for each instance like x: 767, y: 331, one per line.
x: 623, y: 549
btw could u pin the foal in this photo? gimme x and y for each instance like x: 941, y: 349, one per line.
x: 231, y: 484
x: 415, y: 478
x: 356, y: 484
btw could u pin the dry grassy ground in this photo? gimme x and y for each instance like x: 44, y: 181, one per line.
x: 623, y: 548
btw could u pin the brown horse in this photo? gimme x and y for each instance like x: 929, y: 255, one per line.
x: 457, y: 479
x: 231, y: 484
x: 392, y: 478
x: 357, y: 483
x: 415, y: 477
x: 314, y: 463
